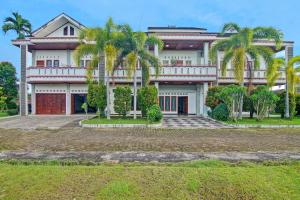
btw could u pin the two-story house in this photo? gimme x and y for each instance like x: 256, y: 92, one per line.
x: 59, y: 85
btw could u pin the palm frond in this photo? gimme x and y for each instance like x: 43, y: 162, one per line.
x: 220, y: 45
x: 153, y: 40
x: 269, y: 33
x: 253, y: 53
x: 266, y: 53
x: 238, y: 64
x: 273, y: 71
x: 230, y: 27
x: 84, y: 49
x: 227, y: 57
x: 131, y: 63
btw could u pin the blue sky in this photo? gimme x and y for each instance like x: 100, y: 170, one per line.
x: 140, y: 14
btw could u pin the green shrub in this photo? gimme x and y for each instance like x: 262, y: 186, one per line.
x: 12, y: 105
x: 220, y: 112
x: 96, y: 97
x: 12, y: 112
x: 122, y: 100
x: 280, y: 105
x: 154, y: 114
x: 298, y: 104
x: 147, y: 97
x: 212, y: 97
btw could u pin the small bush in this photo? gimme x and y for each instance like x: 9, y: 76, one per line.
x: 12, y: 105
x: 122, y: 101
x: 147, y: 97
x: 212, y: 97
x: 154, y: 114
x: 12, y: 112
x: 280, y: 105
x: 221, y: 112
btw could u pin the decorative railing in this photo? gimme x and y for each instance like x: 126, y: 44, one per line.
x: 166, y: 73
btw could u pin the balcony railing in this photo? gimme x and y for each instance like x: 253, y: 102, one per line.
x: 258, y: 76
x: 77, y: 74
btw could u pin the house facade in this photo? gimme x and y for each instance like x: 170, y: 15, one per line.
x: 59, y: 85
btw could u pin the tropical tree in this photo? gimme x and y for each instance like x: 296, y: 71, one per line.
x: 240, y: 45
x: 100, y: 43
x: 292, y: 78
x: 133, y: 46
x: 18, y: 24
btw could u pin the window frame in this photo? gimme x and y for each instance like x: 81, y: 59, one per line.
x: 66, y: 30
x: 55, y: 62
x: 72, y: 30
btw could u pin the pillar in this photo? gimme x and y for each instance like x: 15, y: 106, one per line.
x: 68, y: 100
x: 23, y: 98
x: 206, y: 53
x: 198, y: 101
x: 218, y: 69
x: 33, y: 100
x: 205, y: 89
x: 156, y: 52
x: 68, y: 57
x: 157, y: 87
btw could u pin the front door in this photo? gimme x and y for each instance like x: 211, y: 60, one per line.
x: 182, y: 105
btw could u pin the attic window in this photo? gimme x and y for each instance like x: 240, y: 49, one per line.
x: 66, y: 30
x: 71, y: 30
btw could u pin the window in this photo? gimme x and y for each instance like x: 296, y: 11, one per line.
x: 87, y: 63
x: 40, y: 63
x: 173, y: 103
x: 71, y: 30
x: 137, y: 104
x: 66, y: 30
x: 188, y: 62
x: 49, y: 63
x: 167, y: 103
x: 81, y: 63
x: 56, y: 63
x: 161, y: 103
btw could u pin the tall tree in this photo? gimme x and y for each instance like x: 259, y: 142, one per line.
x: 133, y: 46
x: 292, y: 77
x: 100, y: 43
x: 240, y: 45
x: 8, y: 81
x: 18, y: 24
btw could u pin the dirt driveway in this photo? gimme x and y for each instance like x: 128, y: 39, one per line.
x: 34, y: 122
x: 160, y: 140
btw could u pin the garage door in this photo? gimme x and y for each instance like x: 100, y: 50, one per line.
x: 50, y: 103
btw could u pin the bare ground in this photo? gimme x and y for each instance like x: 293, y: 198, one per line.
x: 158, y: 140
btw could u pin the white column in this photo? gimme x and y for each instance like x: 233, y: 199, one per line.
x: 157, y: 87
x: 205, y: 89
x: 206, y: 53
x: 68, y: 100
x: 33, y: 100
x: 218, y: 67
x: 156, y: 52
x: 23, y: 81
x: 198, y: 99
x: 68, y: 57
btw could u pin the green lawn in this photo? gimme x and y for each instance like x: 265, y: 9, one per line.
x: 268, y: 121
x: 196, y: 180
x: 116, y: 120
x: 3, y: 114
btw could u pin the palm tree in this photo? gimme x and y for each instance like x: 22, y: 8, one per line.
x: 18, y: 24
x: 240, y: 45
x: 100, y: 43
x: 133, y: 47
x: 291, y: 74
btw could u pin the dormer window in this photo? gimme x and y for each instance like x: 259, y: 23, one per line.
x: 71, y: 30
x: 66, y: 30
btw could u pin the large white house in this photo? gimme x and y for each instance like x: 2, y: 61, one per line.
x: 59, y: 85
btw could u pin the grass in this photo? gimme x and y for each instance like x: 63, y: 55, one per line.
x: 116, y: 120
x: 193, y: 180
x: 268, y: 121
x: 3, y: 114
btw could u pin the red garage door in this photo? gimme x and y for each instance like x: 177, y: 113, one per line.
x: 50, y: 103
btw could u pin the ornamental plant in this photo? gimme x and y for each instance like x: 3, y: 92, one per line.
x: 96, y: 97
x: 147, y: 97
x: 212, y: 97
x: 122, y: 100
x: 263, y: 100
x: 3, y: 105
x: 154, y: 114
x: 232, y: 96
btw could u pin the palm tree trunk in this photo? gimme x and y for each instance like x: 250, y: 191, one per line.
x: 240, y: 116
x: 287, y: 105
x: 107, y: 92
x: 134, y: 91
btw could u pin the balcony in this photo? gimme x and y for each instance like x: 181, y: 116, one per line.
x: 78, y: 75
x: 259, y: 77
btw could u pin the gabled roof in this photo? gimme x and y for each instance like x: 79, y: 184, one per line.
x: 54, y: 23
